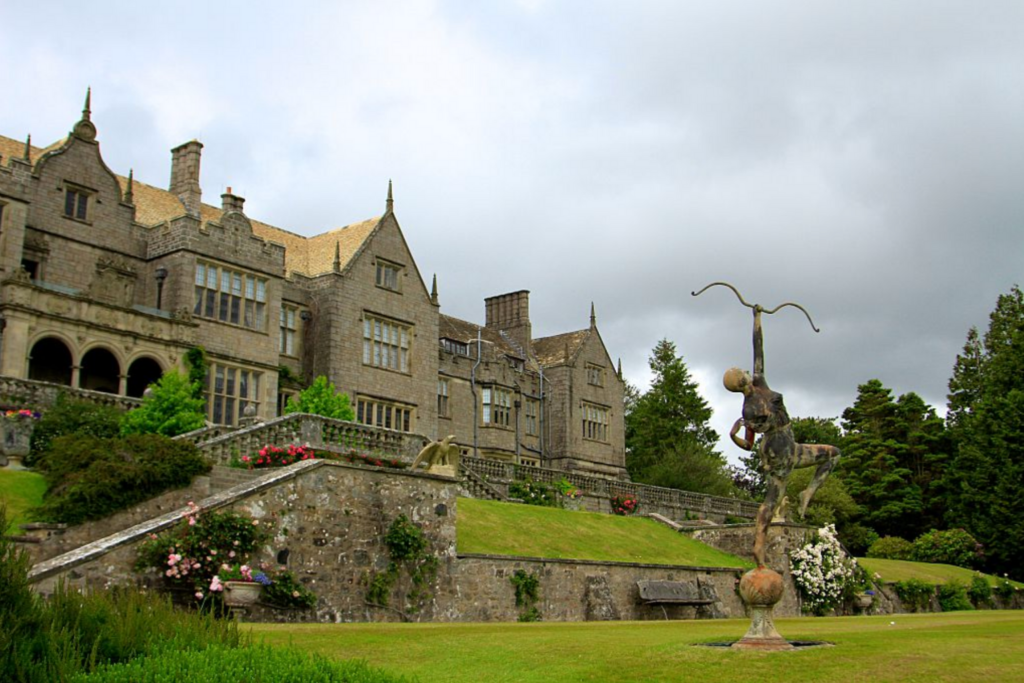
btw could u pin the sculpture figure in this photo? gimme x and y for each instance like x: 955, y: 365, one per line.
x: 764, y: 412
x: 438, y: 454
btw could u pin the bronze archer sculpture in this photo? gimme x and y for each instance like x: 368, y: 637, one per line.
x: 765, y: 413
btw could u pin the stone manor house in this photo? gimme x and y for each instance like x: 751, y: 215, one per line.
x: 106, y: 282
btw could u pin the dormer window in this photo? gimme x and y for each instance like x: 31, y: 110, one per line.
x: 457, y: 347
x: 76, y: 203
x: 387, y: 275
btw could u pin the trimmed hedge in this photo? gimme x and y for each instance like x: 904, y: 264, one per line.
x: 891, y: 548
x: 91, y: 478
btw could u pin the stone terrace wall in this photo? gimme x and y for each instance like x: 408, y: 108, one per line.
x: 573, y: 590
x: 331, y: 518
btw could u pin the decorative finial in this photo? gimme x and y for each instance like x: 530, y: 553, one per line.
x: 593, y: 315
x: 390, y: 206
x: 129, y: 192
x: 337, y: 257
x: 620, y: 368
x: 28, y: 148
x: 87, y: 111
x: 433, y: 291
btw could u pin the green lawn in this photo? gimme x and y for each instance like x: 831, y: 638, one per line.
x: 901, y: 570
x: 528, y: 530
x: 953, y: 647
x: 19, y: 491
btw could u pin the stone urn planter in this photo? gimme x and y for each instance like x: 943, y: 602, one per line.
x: 863, y: 601
x: 241, y: 593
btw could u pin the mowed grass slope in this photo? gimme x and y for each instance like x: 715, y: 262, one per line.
x: 904, y: 570
x: 530, y: 531
x: 956, y: 647
x: 20, y: 491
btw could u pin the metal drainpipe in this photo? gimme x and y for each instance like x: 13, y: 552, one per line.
x: 540, y: 417
x: 476, y: 405
x: 518, y: 404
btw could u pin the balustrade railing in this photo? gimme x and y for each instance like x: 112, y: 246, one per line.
x: 30, y: 393
x: 315, y: 430
x: 607, y: 488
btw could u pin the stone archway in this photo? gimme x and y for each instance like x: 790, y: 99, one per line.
x: 100, y: 371
x: 141, y: 373
x: 50, y: 361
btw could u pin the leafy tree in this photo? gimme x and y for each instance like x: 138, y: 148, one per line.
x: 669, y: 439
x: 321, y: 398
x: 986, y: 414
x: 170, y: 408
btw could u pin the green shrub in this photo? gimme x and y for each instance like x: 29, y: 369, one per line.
x: 980, y: 591
x: 527, y: 587
x: 955, y: 546
x: 953, y: 597
x: 1006, y: 589
x: 90, y: 478
x: 915, y: 594
x: 287, y: 593
x: 408, y: 549
x: 70, y: 416
x: 321, y: 398
x: 891, y: 548
x: 256, y: 664
x: 535, y: 493
x: 171, y: 408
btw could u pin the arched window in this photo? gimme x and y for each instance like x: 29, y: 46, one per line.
x: 50, y: 361
x: 100, y: 371
x: 141, y: 373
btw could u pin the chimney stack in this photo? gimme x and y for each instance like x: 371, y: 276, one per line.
x: 231, y: 202
x: 185, y: 175
x: 510, y: 313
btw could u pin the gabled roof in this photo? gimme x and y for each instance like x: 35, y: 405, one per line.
x: 559, y: 348
x: 306, y: 255
x: 463, y: 331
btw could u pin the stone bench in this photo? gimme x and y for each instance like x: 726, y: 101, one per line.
x: 666, y: 593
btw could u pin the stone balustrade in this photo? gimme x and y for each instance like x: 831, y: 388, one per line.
x: 651, y: 497
x: 302, y: 428
x: 30, y: 393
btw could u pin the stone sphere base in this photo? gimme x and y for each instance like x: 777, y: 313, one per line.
x: 760, y: 590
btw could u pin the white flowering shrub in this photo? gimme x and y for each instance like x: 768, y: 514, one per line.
x: 822, y: 571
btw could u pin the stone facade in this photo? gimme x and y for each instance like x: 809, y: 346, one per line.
x: 106, y: 282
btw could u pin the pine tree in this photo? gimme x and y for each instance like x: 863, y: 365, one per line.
x: 669, y: 440
x: 894, y: 456
x: 986, y: 411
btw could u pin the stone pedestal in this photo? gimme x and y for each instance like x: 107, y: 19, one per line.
x: 761, y: 589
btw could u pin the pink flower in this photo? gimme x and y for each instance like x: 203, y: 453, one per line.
x: 216, y: 585
x: 199, y: 595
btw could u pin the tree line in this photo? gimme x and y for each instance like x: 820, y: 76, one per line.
x: 905, y: 470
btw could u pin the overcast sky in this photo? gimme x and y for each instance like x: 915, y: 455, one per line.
x: 864, y: 159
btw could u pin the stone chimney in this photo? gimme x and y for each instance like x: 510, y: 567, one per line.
x: 185, y: 175
x: 231, y: 202
x: 510, y: 313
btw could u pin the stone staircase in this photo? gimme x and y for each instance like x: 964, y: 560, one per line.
x: 475, y: 487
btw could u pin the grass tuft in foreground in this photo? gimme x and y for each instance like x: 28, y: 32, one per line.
x: 495, y: 528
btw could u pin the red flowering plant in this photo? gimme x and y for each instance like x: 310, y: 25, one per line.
x: 192, y: 553
x: 625, y: 505
x: 372, y: 461
x: 273, y: 456
x: 22, y: 414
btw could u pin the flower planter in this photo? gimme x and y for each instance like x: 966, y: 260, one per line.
x: 14, y: 462
x: 241, y: 593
